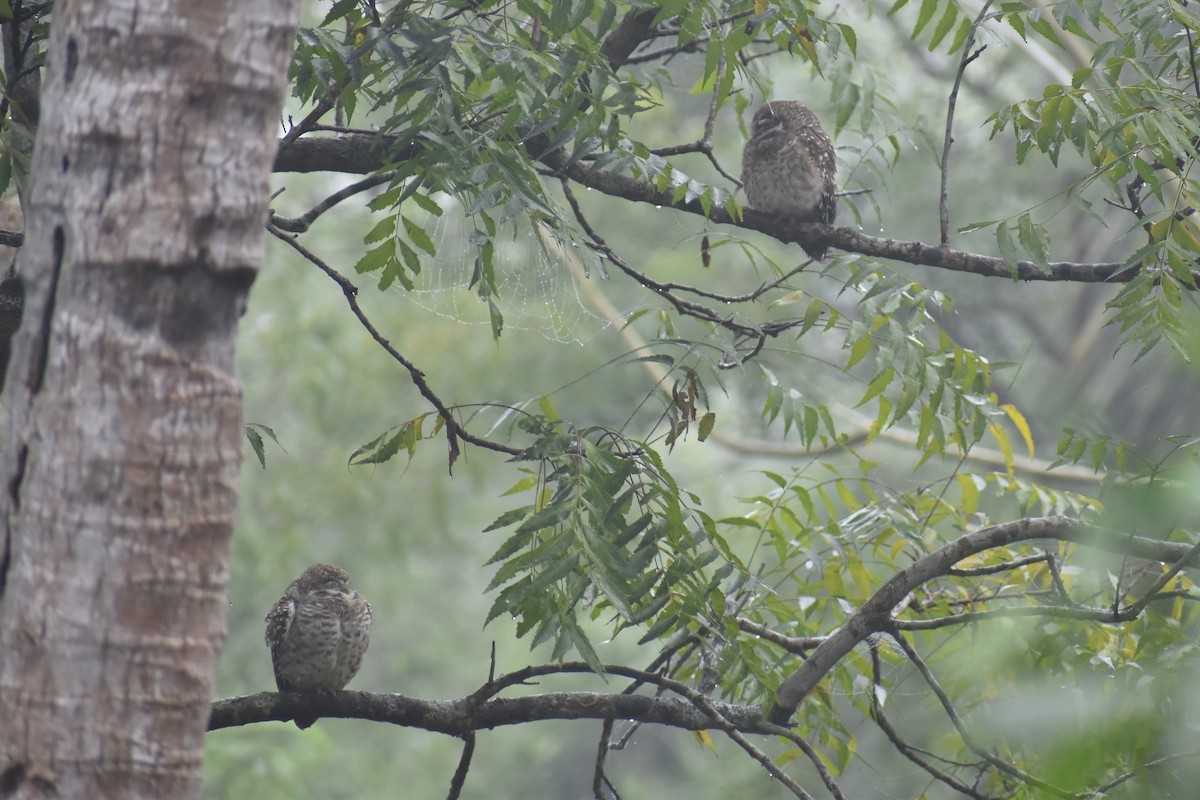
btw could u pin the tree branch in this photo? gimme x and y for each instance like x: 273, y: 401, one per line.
x: 600, y: 781
x: 876, y: 614
x: 903, y: 747
x: 303, y: 222
x: 460, y: 717
x: 964, y: 61
x: 363, y: 153
x: 931, y: 680
x: 454, y: 429
x: 464, y: 766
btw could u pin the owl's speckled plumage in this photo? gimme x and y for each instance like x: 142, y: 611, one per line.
x: 789, y: 166
x: 318, y: 632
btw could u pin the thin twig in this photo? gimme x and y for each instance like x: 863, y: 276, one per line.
x: 704, y: 144
x: 1154, y: 591
x: 600, y: 781
x: 969, y: 740
x: 793, y: 644
x: 903, y: 747
x: 992, y: 569
x: 967, y: 57
x: 307, y: 124
x: 685, y: 307
x: 303, y: 222
x: 464, y: 766
x: 1060, y: 612
x: 701, y: 702
x: 1056, y: 576
x: 1103, y: 789
x: 454, y: 430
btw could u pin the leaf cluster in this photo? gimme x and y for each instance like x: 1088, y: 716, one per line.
x: 607, y: 533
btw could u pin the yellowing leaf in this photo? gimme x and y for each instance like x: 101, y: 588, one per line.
x: 1005, y: 446
x: 1018, y: 421
x: 547, y: 408
x: 703, y: 738
x: 970, y: 494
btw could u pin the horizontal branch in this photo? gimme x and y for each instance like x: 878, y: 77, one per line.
x: 1063, y: 612
x: 459, y: 717
x: 693, y: 712
x: 845, y: 238
x: 363, y: 153
x: 876, y: 615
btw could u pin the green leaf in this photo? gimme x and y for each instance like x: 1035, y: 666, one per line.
x: 583, y: 646
x: 510, y: 546
x: 851, y: 38
x: 382, y: 230
x: 1034, y: 239
x: 928, y: 7
x: 376, y: 259
x: 1008, y: 248
x: 878, y: 384
x: 858, y: 350
x: 510, y: 517
x: 949, y: 17
x: 551, y: 515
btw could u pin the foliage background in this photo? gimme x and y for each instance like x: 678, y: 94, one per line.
x: 411, y: 535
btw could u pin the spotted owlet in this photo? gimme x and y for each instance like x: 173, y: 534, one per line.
x: 789, y: 167
x: 318, y: 632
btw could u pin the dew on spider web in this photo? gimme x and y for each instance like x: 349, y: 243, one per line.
x: 537, y: 274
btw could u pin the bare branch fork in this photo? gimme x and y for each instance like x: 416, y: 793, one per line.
x: 921, y: 758
x: 969, y: 740
x: 303, y: 222
x: 758, y: 333
x: 454, y: 429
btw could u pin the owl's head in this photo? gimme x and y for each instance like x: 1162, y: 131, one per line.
x: 321, y: 579
x: 782, y: 115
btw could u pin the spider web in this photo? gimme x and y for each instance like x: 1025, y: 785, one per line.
x: 537, y: 279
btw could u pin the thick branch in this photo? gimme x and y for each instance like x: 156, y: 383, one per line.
x: 634, y: 29
x: 460, y: 717
x: 362, y: 153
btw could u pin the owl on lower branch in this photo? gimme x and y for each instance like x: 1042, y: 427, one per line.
x: 789, y: 167
x: 318, y: 632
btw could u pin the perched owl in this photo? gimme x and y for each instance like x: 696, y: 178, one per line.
x: 318, y: 632
x: 789, y: 167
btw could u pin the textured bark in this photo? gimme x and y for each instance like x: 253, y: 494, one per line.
x: 122, y: 436
x: 461, y: 717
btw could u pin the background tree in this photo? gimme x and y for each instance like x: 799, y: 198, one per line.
x: 797, y: 483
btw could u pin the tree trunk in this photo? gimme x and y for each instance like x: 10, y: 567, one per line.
x: 122, y: 434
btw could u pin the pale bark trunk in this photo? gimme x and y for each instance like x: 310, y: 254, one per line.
x: 122, y: 433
